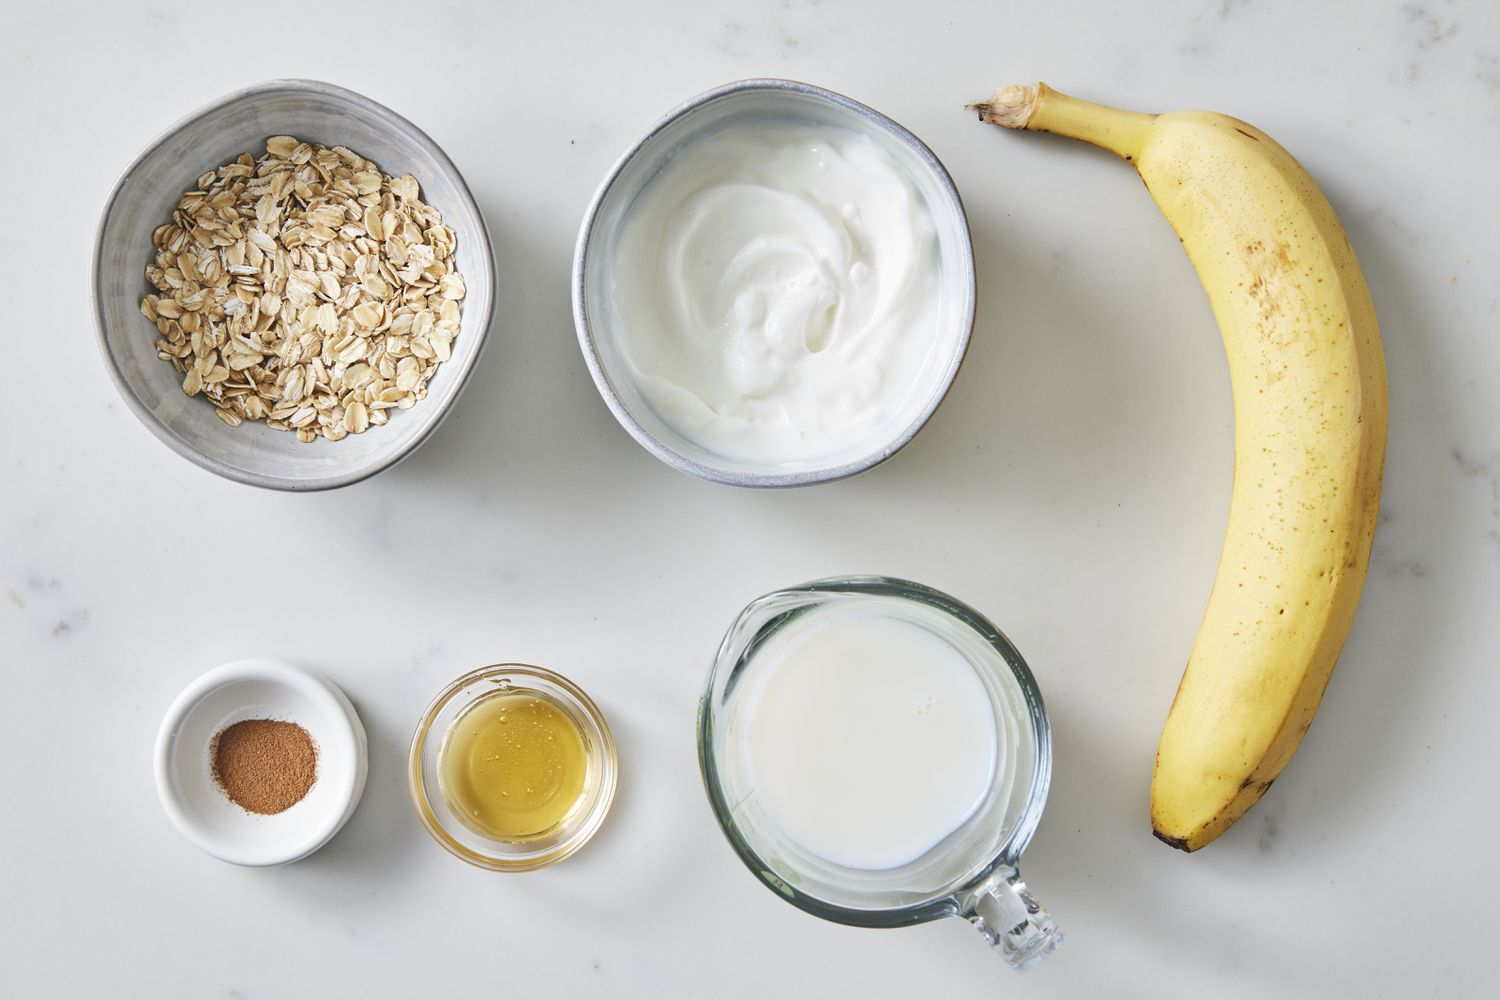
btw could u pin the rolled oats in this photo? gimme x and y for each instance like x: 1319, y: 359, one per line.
x: 305, y: 288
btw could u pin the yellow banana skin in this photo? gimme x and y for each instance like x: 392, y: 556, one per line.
x: 1308, y: 376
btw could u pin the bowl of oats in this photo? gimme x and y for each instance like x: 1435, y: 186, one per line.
x: 292, y: 286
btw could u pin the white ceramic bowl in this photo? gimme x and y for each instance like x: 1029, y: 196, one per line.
x: 259, y: 689
x: 144, y: 198
x: 593, y: 279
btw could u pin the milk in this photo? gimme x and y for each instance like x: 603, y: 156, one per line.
x: 868, y: 739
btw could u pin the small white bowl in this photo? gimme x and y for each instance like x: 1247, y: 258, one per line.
x: 726, y: 107
x: 259, y: 689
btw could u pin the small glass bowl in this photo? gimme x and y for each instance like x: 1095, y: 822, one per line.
x: 497, y: 855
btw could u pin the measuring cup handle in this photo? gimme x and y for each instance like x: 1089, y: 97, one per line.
x: 1012, y: 921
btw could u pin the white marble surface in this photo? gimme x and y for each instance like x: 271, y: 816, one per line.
x: 1074, y: 487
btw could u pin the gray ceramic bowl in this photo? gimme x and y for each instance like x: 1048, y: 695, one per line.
x: 750, y: 100
x: 144, y: 198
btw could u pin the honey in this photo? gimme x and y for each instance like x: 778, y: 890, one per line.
x: 514, y: 766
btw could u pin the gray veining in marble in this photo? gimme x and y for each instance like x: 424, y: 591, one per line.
x: 1072, y: 487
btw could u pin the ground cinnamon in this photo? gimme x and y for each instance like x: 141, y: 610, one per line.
x: 264, y: 765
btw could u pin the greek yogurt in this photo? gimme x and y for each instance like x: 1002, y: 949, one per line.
x: 776, y: 290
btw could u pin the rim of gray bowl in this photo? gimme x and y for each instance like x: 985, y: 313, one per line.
x: 769, y: 480
x: 145, y: 416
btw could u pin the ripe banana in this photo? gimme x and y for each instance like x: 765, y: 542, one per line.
x: 1308, y: 377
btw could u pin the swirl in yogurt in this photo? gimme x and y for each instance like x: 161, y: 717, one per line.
x: 776, y: 287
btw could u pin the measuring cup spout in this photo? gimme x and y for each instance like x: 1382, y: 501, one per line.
x: 1011, y: 920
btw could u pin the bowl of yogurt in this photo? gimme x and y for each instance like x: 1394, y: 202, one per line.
x: 774, y: 286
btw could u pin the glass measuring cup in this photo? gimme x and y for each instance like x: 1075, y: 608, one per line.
x: 972, y: 872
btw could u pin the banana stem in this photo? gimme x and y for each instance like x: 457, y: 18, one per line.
x: 1042, y: 109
